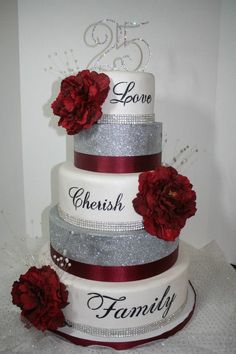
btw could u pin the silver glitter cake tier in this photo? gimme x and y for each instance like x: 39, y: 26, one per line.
x: 116, y: 248
x: 120, y: 139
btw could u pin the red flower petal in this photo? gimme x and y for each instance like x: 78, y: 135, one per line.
x: 41, y: 296
x: 165, y: 200
x: 79, y: 102
x: 69, y: 104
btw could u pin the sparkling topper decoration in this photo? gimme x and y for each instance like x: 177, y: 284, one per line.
x: 62, y: 64
x: 118, y: 48
x: 182, y: 158
x: 116, y: 42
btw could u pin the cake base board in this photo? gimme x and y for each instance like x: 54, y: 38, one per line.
x: 169, y: 329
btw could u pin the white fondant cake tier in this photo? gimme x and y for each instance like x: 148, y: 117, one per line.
x: 142, y: 335
x: 130, y: 93
x: 120, y: 310
x: 98, y: 200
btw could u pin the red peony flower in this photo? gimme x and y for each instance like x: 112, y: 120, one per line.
x: 41, y: 296
x: 79, y: 102
x: 165, y: 200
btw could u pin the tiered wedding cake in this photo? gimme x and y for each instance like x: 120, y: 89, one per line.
x: 126, y: 286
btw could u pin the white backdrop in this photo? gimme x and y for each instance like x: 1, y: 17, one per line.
x: 193, y: 52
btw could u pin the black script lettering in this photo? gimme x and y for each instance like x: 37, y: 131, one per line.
x: 168, y: 305
x: 136, y: 311
x: 122, y: 90
x: 97, y: 301
x: 82, y: 200
x: 86, y: 203
x: 94, y: 205
x: 109, y: 206
x: 149, y: 98
x: 153, y: 306
x: 118, y: 203
x: 166, y: 302
x: 109, y: 306
x: 75, y: 194
x: 123, y: 314
x: 99, y: 205
x: 123, y: 94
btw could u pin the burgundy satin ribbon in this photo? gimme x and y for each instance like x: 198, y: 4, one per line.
x: 131, y: 344
x: 117, y: 164
x: 117, y: 273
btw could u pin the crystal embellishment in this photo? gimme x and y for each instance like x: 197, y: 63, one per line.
x: 100, y: 225
x: 127, y: 119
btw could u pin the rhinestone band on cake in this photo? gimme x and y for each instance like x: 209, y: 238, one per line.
x: 127, y: 119
x: 97, y: 225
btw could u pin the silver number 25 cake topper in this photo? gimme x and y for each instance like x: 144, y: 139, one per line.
x: 114, y: 38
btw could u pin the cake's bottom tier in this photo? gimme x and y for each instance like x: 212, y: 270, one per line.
x: 121, y: 343
x: 135, y: 312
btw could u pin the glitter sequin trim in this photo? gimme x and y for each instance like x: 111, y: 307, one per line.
x: 127, y: 119
x: 100, y: 225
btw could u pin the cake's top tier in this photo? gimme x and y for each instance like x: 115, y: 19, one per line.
x: 126, y: 139
x: 130, y: 93
x: 89, y: 97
